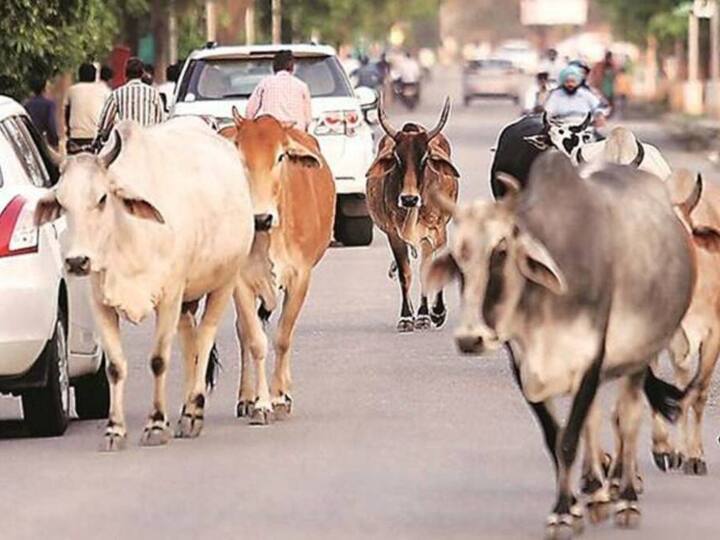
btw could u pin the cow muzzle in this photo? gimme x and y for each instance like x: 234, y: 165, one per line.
x: 475, y: 342
x: 409, y: 201
x: 263, y: 222
x: 78, y: 266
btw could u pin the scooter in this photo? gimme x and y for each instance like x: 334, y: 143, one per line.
x: 407, y: 93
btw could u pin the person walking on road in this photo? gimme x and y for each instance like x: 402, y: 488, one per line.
x: 83, y: 105
x: 42, y: 111
x: 135, y: 100
x: 282, y: 95
x: 603, y: 76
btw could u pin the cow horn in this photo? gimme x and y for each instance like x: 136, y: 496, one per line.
x: 237, y: 116
x: 586, y: 122
x: 434, y: 132
x: 694, y: 198
x: 545, y: 122
x: 382, y: 118
x: 107, y: 158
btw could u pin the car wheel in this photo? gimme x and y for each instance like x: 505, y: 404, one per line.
x: 47, y: 409
x: 354, y: 231
x: 92, y: 395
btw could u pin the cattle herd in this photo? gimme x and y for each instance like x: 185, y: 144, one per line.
x: 592, y: 260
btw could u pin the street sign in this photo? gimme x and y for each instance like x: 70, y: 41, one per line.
x: 553, y: 12
x: 704, y: 9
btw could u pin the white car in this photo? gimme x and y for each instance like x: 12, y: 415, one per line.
x: 47, y: 336
x: 215, y: 79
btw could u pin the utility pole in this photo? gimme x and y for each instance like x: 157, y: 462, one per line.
x: 250, y: 23
x: 276, y: 21
x: 713, y: 89
x: 173, y: 33
x: 693, y: 91
x: 210, y: 20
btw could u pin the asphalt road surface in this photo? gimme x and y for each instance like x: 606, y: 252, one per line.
x: 393, y: 436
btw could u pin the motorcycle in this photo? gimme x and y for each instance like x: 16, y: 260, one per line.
x: 407, y: 93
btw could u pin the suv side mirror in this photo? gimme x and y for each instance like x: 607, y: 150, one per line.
x: 368, y: 98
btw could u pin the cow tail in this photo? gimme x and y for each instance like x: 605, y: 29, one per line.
x: 213, y: 368
x: 664, y: 397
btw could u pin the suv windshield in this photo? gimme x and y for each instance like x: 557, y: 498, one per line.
x: 217, y: 78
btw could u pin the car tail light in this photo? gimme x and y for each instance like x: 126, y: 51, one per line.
x: 338, y: 123
x: 18, y: 233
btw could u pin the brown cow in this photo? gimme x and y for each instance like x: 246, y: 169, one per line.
x: 700, y: 331
x: 411, y: 164
x: 293, y: 195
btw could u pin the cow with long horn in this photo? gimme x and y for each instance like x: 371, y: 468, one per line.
x: 411, y: 164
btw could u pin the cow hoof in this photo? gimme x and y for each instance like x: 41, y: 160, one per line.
x: 243, y: 408
x: 113, y: 442
x: 560, y: 527
x: 438, y: 319
x: 677, y: 459
x: 156, y: 434
x: 627, y: 515
x: 614, y: 489
x: 606, y: 463
x: 282, y: 407
x: 663, y: 460
x: 695, y: 467
x: 189, y: 426
x: 598, y: 511
x: 261, y: 416
x: 406, y: 324
x: 423, y: 322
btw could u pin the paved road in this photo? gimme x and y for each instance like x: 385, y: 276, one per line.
x: 394, y: 436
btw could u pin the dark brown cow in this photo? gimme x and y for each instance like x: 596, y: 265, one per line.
x: 293, y: 196
x: 410, y: 165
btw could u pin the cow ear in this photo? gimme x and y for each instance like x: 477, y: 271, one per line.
x: 137, y: 206
x: 385, y: 161
x: 541, y: 142
x: 536, y: 264
x: 299, y: 153
x: 47, y: 209
x: 707, y: 238
x: 440, y: 163
x: 229, y: 132
x: 440, y: 272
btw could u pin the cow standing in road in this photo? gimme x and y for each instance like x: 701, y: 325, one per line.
x: 293, y: 194
x: 556, y: 270
x: 411, y: 163
x: 161, y: 219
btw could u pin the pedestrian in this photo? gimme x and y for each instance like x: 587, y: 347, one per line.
x: 537, y: 93
x: 83, y: 105
x: 602, y: 77
x: 42, y: 111
x: 167, y: 89
x: 106, y: 75
x: 573, y: 100
x: 134, y: 100
x: 282, y: 95
x: 623, y: 90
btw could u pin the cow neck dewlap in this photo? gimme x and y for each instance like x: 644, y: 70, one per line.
x: 138, y: 263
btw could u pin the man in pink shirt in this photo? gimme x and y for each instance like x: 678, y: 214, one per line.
x: 282, y: 95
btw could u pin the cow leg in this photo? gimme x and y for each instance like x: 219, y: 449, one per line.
x: 593, y: 481
x: 439, y: 311
x: 192, y: 417
x: 665, y: 454
x: 695, y: 464
x: 109, y: 327
x: 293, y: 302
x: 566, y: 516
x: 423, y: 321
x: 157, y: 430
x: 629, y: 415
x: 188, y: 343
x: 252, y: 402
x: 400, y: 252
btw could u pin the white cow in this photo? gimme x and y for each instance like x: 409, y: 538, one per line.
x: 161, y: 219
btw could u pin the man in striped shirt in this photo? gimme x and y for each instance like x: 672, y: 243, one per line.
x: 135, y: 100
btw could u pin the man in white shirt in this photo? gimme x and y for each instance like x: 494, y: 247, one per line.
x: 409, y: 70
x: 83, y: 104
x: 573, y: 100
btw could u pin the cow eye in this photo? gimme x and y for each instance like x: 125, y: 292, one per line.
x: 101, y: 202
x: 562, y: 132
x: 280, y: 157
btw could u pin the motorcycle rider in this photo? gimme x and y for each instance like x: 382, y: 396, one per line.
x: 408, y: 80
x: 367, y: 74
x: 573, y: 100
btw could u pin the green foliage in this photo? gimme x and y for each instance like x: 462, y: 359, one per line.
x: 43, y: 38
x: 670, y: 25
x: 632, y: 19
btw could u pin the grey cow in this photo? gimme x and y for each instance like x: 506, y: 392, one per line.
x: 586, y: 276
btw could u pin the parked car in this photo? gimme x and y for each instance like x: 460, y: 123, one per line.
x: 215, y: 79
x: 491, y: 77
x: 47, y: 336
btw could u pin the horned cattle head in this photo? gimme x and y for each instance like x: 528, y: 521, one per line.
x: 567, y: 137
x: 412, y: 157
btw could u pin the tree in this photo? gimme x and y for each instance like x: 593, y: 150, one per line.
x: 41, y: 39
x: 632, y: 19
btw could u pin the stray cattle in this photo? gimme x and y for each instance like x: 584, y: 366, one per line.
x: 521, y: 142
x: 555, y: 271
x: 293, y: 194
x: 699, y: 333
x: 157, y: 227
x: 410, y: 164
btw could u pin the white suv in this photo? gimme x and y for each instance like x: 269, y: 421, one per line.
x: 47, y: 336
x: 215, y: 79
